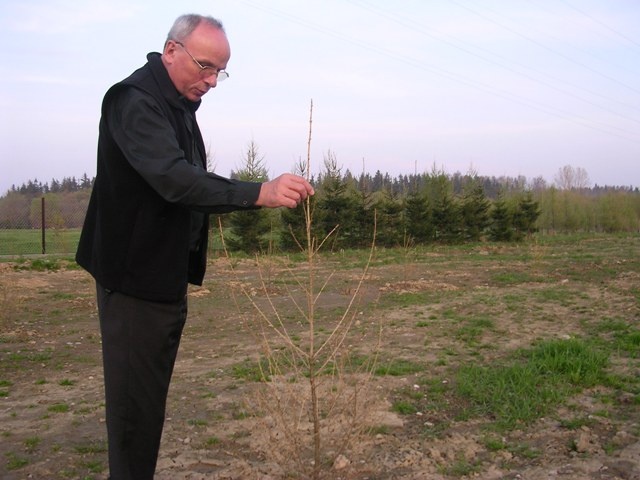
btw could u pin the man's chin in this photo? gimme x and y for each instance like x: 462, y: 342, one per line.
x: 195, y: 95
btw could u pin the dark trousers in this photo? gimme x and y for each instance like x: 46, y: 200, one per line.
x: 140, y: 342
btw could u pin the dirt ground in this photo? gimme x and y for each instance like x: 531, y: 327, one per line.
x: 51, y: 393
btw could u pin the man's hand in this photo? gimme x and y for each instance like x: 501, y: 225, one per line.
x: 285, y: 191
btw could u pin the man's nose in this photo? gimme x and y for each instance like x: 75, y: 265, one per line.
x: 211, y: 80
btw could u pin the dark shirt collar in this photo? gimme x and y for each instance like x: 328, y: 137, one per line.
x: 167, y: 87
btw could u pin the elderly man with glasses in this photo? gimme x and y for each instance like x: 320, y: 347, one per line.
x: 145, y: 233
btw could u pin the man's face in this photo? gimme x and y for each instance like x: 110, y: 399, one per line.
x: 209, y: 47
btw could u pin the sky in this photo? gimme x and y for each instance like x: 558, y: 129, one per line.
x: 496, y: 87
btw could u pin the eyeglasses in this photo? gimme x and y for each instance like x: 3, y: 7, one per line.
x: 206, y: 70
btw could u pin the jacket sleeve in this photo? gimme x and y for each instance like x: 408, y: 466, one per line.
x: 149, y: 143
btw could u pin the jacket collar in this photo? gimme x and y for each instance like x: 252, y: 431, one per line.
x: 167, y: 87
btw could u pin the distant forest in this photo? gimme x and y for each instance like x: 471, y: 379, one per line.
x: 417, y: 208
x: 567, y: 178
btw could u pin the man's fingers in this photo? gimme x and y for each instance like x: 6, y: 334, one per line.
x: 287, y: 190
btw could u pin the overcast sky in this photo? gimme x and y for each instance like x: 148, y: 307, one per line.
x: 517, y: 87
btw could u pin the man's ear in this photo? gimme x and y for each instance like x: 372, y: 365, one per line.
x: 169, y: 51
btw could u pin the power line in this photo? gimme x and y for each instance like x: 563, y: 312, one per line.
x: 548, y: 109
x: 585, y: 51
x: 545, y: 47
x: 602, y: 24
x: 466, y: 49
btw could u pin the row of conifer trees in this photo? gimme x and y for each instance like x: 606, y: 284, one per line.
x: 346, y: 214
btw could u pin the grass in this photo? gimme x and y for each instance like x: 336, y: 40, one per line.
x: 211, y: 441
x: 25, y: 359
x: 533, y: 383
x: 91, y: 448
x: 198, y: 422
x: 628, y: 342
x: 29, y: 241
x: 5, y: 384
x: 473, y: 329
x: 31, y: 443
x: 15, y: 461
x: 404, y: 407
x: 397, y: 367
x: 59, y: 408
x: 513, y: 278
x: 460, y: 467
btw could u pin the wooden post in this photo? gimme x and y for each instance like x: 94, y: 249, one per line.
x: 44, y: 245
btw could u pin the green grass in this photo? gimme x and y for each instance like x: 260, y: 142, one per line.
x: 45, y: 264
x: 407, y: 299
x: 198, y: 422
x: 576, y: 423
x: 91, y: 448
x: 93, y: 466
x: 25, y: 358
x: 29, y: 241
x: 15, y: 462
x: 628, y: 342
x: 473, y: 329
x: 31, y: 443
x: 404, y: 407
x: 251, y: 371
x: 59, y: 408
x: 556, y: 294
x: 211, y: 441
x: 529, y: 387
x: 512, y: 278
x: 460, y: 467
x: 398, y: 367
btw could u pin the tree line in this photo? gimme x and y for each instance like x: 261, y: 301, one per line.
x: 348, y: 211
x: 67, y: 184
x: 404, y: 210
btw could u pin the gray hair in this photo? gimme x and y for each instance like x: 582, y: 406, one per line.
x: 186, y: 24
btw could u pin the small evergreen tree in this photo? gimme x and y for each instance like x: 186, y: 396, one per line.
x: 390, y: 224
x: 525, y: 215
x: 364, y: 214
x: 335, y: 211
x: 445, y: 212
x: 417, y: 217
x: 501, y: 229
x: 249, y: 228
x: 474, y: 210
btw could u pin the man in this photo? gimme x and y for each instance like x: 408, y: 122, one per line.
x: 145, y: 233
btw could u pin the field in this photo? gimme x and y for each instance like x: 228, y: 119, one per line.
x: 28, y: 241
x: 496, y: 361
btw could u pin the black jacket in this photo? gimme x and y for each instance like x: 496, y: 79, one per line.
x: 150, y: 179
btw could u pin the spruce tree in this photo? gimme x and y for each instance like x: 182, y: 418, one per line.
x: 364, y: 214
x: 335, y: 213
x: 293, y: 234
x: 501, y: 229
x: 417, y: 217
x: 526, y: 214
x: 474, y: 210
x: 445, y: 210
x: 250, y: 228
x: 390, y: 224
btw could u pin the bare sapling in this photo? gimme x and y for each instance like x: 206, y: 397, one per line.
x: 316, y: 368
